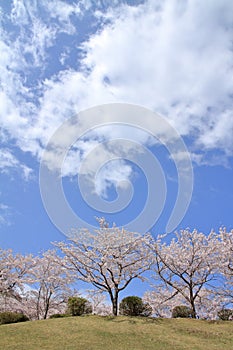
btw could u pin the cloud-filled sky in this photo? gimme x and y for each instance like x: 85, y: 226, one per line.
x: 59, y: 57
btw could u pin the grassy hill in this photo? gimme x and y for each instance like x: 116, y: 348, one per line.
x: 121, y: 333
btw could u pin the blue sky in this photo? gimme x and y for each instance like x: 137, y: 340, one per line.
x: 62, y: 57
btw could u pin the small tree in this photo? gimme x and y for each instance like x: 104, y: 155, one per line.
x: 78, y: 306
x: 225, y: 314
x: 134, y: 306
x: 182, y: 311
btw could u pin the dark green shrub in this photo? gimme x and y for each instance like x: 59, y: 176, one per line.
x: 225, y: 314
x: 182, y: 311
x: 59, y: 315
x: 78, y: 306
x: 12, y: 317
x: 134, y: 306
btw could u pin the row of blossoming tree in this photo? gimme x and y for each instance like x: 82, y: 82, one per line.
x: 190, y: 269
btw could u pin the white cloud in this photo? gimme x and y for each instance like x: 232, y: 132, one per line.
x: 62, y: 11
x: 115, y: 173
x: 35, y: 35
x: 4, y: 214
x: 8, y: 162
x: 100, y: 164
x: 176, y: 60
x: 172, y: 57
x: 219, y: 135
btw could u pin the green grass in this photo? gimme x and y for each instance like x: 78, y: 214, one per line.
x: 121, y: 333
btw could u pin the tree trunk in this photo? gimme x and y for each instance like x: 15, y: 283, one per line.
x: 46, y: 310
x: 192, y: 303
x: 38, y: 305
x: 114, y: 307
x: 47, y: 305
x: 114, y: 300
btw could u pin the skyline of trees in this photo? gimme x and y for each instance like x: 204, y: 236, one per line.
x: 191, y: 269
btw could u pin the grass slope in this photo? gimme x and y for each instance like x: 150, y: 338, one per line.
x: 121, y: 333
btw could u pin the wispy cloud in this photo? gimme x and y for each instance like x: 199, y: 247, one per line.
x: 9, y: 162
x: 4, y: 214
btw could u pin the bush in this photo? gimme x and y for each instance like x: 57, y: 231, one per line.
x: 134, y: 306
x: 12, y: 317
x: 225, y: 314
x: 59, y: 315
x: 182, y: 311
x: 79, y: 306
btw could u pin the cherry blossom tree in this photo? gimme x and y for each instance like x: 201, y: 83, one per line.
x: 14, y: 269
x: 225, y: 259
x: 49, y: 281
x: 164, y: 299
x: 209, y: 303
x: 109, y: 258
x: 187, y: 264
x: 99, y: 302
